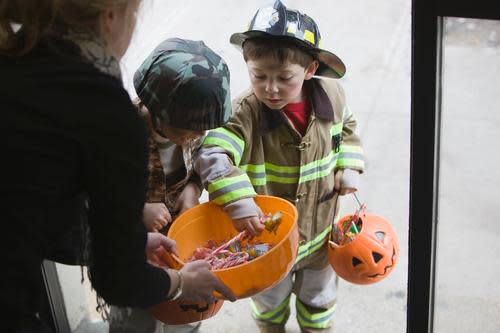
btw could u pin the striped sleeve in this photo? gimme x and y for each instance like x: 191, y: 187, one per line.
x: 350, y: 150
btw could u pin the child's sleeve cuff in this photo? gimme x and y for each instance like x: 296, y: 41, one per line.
x: 242, y: 208
x: 350, y: 179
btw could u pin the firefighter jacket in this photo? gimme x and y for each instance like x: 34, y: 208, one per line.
x: 259, y: 152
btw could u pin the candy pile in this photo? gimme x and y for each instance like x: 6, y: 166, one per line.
x: 238, y: 250
x: 345, y: 232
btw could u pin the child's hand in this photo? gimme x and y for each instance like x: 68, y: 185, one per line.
x: 188, y: 198
x: 346, y: 181
x: 252, y: 224
x: 156, y: 245
x: 155, y: 216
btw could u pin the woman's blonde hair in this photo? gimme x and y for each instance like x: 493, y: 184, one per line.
x: 24, y: 22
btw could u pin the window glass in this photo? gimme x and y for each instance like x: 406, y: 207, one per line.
x: 468, y: 239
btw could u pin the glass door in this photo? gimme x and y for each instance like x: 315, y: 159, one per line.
x: 452, y: 260
x: 468, y: 236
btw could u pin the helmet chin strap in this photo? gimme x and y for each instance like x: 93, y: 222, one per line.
x: 323, y: 77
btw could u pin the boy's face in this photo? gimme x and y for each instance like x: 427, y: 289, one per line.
x: 180, y: 136
x: 277, y: 84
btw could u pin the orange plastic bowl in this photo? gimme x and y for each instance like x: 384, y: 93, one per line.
x: 208, y: 221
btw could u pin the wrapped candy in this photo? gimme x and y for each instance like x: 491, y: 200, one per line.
x: 239, y: 249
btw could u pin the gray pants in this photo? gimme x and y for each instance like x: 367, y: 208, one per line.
x: 315, y: 287
x: 137, y: 320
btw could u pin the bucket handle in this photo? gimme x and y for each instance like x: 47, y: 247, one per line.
x: 333, y: 244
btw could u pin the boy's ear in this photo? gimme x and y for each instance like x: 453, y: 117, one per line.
x: 311, y: 69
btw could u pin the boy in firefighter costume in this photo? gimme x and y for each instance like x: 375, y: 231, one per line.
x: 291, y: 136
x: 183, y: 90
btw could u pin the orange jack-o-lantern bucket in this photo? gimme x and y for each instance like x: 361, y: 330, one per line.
x: 372, y: 253
x: 196, y: 226
x: 183, y: 311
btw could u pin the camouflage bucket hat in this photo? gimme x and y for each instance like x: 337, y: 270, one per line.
x: 185, y: 84
x: 278, y: 21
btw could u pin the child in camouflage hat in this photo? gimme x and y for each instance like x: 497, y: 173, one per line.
x: 183, y: 90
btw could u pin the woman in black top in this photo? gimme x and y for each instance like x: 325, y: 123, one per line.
x: 70, y: 133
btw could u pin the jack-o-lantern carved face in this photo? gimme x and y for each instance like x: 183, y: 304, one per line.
x: 183, y: 311
x: 370, y: 256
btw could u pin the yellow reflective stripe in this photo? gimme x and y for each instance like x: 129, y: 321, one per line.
x: 233, y: 196
x: 230, y: 134
x: 321, y: 168
x: 317, y: 163
x: 351, y: 163
x: 281, y: 319
x: 351, y: 157
x: 347, y: 157
x: 256, y: 173
x: 313, y: 245
x: 228, y: 141
x: 261, y: 168
x: 258, y: 181
x: 309, y: 36
x: 282, y: 169
x: 336, y: 129
x: 229, y: 189
x: 318, y: 174
x: 314, y: 320
x: 351, y: 149
x: 224, y: 182
x: 253, y: 168
x: 276, y: 316
x: 262, y: 174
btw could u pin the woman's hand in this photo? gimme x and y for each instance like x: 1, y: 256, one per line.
x: 156, y: 246
x: 199, y: 283
x: 155, y: 216
x: 188, y: 198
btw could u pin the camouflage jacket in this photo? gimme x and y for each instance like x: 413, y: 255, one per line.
x: 167, y: 187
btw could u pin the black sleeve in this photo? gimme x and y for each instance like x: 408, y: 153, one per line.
x: 115, y: 175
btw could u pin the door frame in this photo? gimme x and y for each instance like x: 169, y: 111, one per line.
x: 426, y: 76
